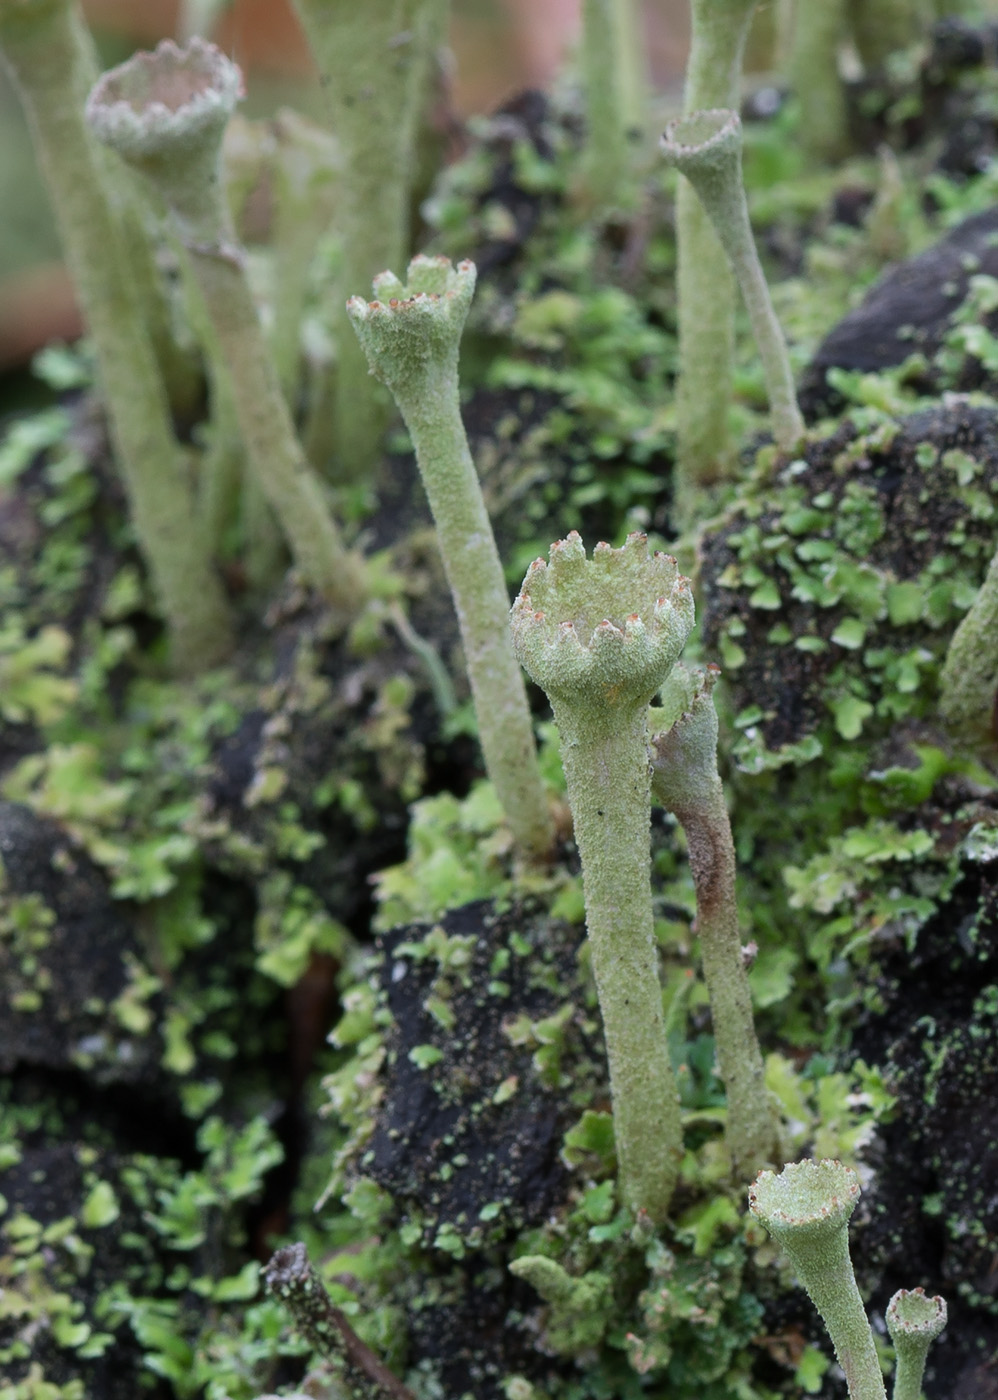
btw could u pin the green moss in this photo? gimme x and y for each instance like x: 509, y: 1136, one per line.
x: 25, y: 930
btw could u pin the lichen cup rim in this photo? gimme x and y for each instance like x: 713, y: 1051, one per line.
x: 805, y: 1197
x: 560, y: 586
x: 926, y: 1314
x: 165, y: 97
x: 716, y: 130
x: 433, y: 284
x: 611, y: 626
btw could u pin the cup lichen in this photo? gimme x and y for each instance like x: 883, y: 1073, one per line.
x: 600, y: 636
x: 706, y: 147
x: 52, y: 65
x: 914, y: 1321
x: 705, y: 291
x: 165, y: 112
x: 685, y: 780
x: 411, y: 336
x: 806, y: 1208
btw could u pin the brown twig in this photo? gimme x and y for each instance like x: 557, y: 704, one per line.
x: 291, y: 1279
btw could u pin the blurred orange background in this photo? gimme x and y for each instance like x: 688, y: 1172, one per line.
x: 499, y: 47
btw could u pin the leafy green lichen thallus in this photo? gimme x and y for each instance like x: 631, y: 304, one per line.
x: 165, y: 113
x: 806, y: 1208
x: 411, y: 334
x: 685, y: 780
x: 914, y: 1321
x: 600, y: 636
x: 706, y: 147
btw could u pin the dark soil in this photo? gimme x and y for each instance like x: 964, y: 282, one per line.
x: 930, y: 1217
x: 910, y: 309
x: 483, y: 1125
x: 71, y: 945
x: 510, y: 1149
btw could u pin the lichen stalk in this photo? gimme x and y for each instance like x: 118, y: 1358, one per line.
x: 608, y: 77
x: 914, y: 1321
x: 411, y: 336
x: 609, y: 794
x: 72, y: 43
x: 806, y: 1208
x: 818, y: 28
x: 706, y: 148
x: 882, y: 27
x: 599, y: 664
x: 374, y: 62
x: 968, y: 684
x: 304, y: 174
x: 704, y: 287
x: 291, y: 1279
x: 166, y: 112
x: 41, y: 41
x: 685, y: 780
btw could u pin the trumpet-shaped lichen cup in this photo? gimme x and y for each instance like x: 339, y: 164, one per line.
x: 600, y: 636
x: 411, y: 335
x: 806, y: 1208
x: 914, y: 1321
x: 165, y: 112
x: 706, y: 147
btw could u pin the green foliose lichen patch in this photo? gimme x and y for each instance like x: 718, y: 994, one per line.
x: 831, y: 592
x: 118, y: 1266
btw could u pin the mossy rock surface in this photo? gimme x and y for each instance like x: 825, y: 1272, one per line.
x: 910, y: 310
x: 473, y: 1110
x: 68, y: 958
x: 930, y: 1217
x: 491, y: 1053
x: 835, y: 583
x: 72, y: 1241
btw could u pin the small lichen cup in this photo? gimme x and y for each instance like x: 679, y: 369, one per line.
x: 706, y: 147
x: 112, y: 261
x: 914, y: 1321
x: 600, y: 636
x: 806, y: 1208
x: 165, y: 113
x: 411, y: 336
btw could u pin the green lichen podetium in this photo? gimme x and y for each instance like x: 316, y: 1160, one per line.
x: 48, y: 53
x: 704, y: 287
x: 968, y: 683
x: 914, y: 1321
x: 374, y: 62
x: 706, y: 147
x: 165, y: 113
x: 411, y: 336
x: 806, y: 1208
x: 578, y: 1305
x: 600, y: 637
x: 823, y: 127
x: 611, y: 77
x: 686, y: 781
x: 882, y: 27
